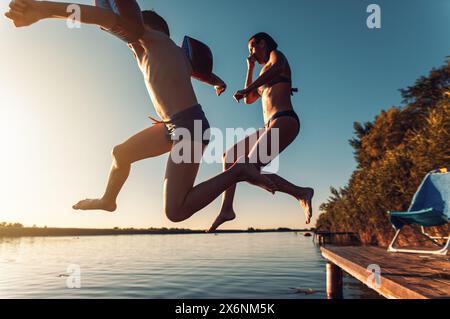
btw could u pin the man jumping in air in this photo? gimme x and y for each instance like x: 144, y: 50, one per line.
x: 167, y: 73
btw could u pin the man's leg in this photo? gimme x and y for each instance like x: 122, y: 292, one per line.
x: 182, y: 199
x: 150, y: 142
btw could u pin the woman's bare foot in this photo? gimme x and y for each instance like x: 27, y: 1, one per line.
x: 305, y: 200
x: 224, y: 216
x: 95, y: 204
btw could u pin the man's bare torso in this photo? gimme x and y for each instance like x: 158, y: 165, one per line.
x: 167, y: 73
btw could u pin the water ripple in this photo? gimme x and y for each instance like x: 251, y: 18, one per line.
x: 250, y: 266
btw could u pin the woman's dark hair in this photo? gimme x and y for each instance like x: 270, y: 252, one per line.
x: 155, y: 21
x: 271, y: 44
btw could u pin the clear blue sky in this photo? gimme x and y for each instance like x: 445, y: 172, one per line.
x: 68, y: 96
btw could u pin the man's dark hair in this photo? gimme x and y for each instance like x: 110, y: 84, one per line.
x: 155, y: 21
x: 271, y: 44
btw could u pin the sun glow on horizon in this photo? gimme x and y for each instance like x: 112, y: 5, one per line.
x: 67, y: 97
x: 18, y: 136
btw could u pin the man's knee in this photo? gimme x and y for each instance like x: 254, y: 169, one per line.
x: 119, y: 154
x: 174, y: 214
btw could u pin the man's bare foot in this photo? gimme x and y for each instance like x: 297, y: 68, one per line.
x: 306, y: 202
x: 95, y: 204
x: 252, y: 175
x: 224, y: 216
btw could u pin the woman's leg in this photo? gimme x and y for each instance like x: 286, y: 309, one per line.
x: 242, y: 148
x: 182, y: 199
x: 150, y: 142
x: 287, y: 130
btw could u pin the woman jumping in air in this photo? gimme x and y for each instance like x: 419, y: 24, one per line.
x: 274, y: 86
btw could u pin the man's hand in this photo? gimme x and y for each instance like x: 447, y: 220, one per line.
x: 24, y: 12
x: 239, y: 95
x: 220, y: 88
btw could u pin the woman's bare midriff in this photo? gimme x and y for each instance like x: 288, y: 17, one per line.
x: 276, y: 99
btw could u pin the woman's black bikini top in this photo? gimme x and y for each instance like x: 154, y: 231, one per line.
x: 276, y: 80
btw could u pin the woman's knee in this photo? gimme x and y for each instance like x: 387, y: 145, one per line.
x: 231, y: 156
x: 227, y: 160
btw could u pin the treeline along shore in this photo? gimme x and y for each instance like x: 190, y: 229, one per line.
x: 17, y: 230
x: 393, y: 153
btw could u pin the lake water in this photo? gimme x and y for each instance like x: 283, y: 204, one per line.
x: 258, y: 265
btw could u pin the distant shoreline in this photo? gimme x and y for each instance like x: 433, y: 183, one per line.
x: 65, y: 232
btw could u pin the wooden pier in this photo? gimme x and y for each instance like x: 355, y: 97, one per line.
x: 324, y: 237
x: 392, y: 275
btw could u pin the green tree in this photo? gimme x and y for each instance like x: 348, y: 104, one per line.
x: 393, y: 154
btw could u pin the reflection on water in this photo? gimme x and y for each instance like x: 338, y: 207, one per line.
x: 267, y: 265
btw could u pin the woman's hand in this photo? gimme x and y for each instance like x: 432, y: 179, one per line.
x: 24, y: 12
x: 241, y: 94
x: 220, y: 88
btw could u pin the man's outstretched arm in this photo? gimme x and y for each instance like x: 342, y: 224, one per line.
x: 215, y: 81
x: 27, y: 12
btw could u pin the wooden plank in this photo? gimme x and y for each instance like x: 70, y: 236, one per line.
x: 423, y: 275
x: 403, y: 276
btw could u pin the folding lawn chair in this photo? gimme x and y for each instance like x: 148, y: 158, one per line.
x: 430, y: 207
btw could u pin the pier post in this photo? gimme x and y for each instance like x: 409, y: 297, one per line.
x: 334, y: 282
